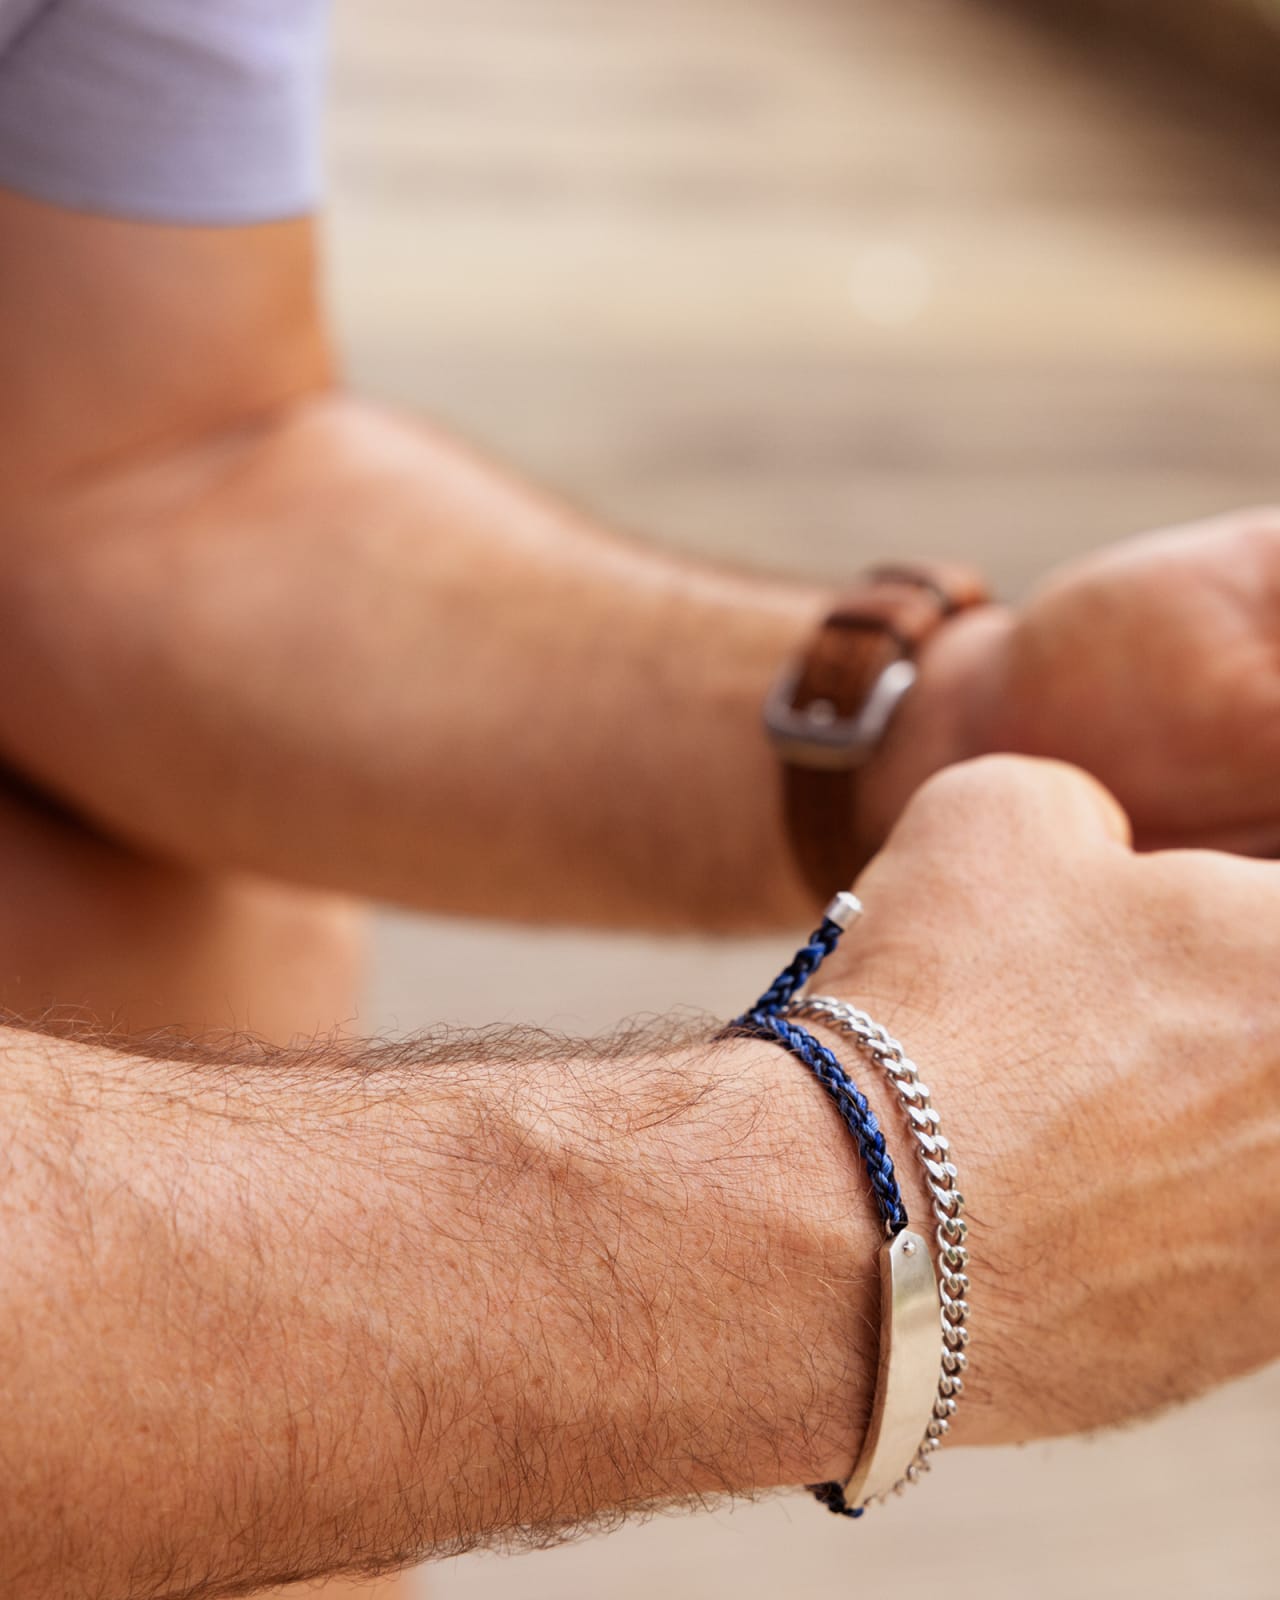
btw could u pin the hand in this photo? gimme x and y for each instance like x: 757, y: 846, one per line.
x: 1101, y: 1035
x: 1154, y: 664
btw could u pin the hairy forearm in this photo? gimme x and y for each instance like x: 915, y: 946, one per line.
x: 265, y: 1318
x: 338, y: 648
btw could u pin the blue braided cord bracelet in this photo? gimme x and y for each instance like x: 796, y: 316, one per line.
x: 850, y: 1102
x: 763, y: 1021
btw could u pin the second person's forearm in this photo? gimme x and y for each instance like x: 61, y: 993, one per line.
x: 341, y: 649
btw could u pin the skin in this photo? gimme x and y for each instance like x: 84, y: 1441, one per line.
x: 304, y: 600
x: 348, y: 1258
x: 102, y: 362
x: 242, y: 613
x: 1106, y: 1029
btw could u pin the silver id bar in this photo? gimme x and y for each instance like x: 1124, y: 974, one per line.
x: 907, y: 1374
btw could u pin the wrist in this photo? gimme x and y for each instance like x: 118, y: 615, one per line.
x: 950, y: 715
x: 1000, y: 1158
x: 923, y: 1313
x: 816, y: 1227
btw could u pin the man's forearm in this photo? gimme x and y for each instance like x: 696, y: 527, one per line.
x: 338, y: 648
x: 266, y: 1319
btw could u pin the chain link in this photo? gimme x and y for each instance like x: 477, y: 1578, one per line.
x: 947, y: 1203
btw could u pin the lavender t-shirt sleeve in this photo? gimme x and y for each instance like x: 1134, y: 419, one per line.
x: 198, y: 111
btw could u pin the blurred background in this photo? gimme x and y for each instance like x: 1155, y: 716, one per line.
x: 799, y: 283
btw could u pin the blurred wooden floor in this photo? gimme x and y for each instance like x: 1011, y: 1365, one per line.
x: 800, y: 282
x: 803, y: 280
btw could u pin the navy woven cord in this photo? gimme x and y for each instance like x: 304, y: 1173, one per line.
x: 850, y: 1102
x: 763, y: 1021
x: 808, y: 958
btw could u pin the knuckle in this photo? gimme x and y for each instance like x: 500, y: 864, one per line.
x: 1263, y: 520
x: 1206, y: 896
x: 1211, y: 927
x: 1253, y: 533
x: 1003, y: 805
x: 991, y: 785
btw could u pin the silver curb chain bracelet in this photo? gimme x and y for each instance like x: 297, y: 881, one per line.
x: 934, y: 1151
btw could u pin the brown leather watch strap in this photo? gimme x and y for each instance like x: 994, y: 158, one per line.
x: 830, y: 709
